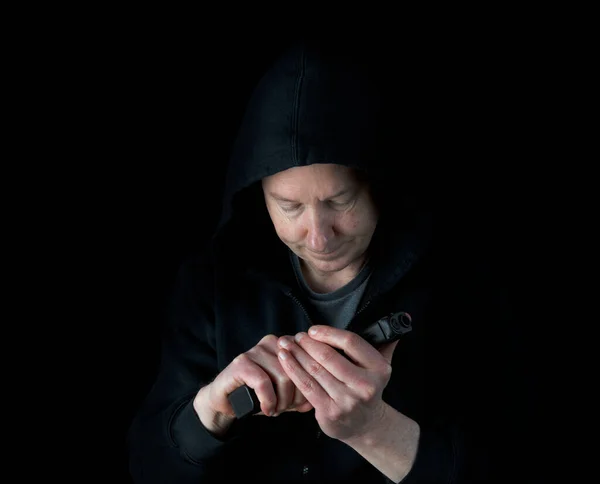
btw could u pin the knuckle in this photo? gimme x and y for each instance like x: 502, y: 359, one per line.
x: 335, y: 413
x: 352, y: 340
x: 241, y: 360
x: 268, y: 340
x: 326, y: 355
x: 256, y: 351
x: 263, y: 384
x: 369, y: 392
x: 264, y: 380
x: 282, y: 380
x: 386, y: 370
x: 307, y: 385
x: 314, y: 368
x: 365, y: 389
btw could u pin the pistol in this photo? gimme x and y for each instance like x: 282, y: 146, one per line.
x: 386, y: 330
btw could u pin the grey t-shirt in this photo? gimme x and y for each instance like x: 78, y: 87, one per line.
x: 335, y: 308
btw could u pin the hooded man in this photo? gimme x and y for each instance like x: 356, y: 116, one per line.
x: 321, y: 235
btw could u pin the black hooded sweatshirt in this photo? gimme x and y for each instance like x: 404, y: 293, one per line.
x: 450, y: 374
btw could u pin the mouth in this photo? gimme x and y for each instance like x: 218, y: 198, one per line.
x: 323, y: 255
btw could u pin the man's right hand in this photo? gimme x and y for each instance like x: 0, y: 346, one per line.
x: 259, y: 369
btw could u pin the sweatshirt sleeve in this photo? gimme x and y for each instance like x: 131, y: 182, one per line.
x: 166, y: 440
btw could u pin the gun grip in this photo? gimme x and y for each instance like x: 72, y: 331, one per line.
x: 244, y: 401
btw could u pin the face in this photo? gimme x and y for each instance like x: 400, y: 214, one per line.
x: 323, y: 213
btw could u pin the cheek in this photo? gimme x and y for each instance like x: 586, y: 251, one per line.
x: 358, y: 224
x: 287, y: 231
x: 352, y: 224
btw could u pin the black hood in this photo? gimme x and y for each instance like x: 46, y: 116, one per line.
x: 317, y: 104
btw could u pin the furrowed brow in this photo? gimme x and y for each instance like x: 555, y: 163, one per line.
x: 281, y: 198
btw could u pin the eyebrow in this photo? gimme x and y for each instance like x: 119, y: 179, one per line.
x: 283, y: 199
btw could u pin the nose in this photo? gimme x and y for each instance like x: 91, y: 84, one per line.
x: 319, y: 232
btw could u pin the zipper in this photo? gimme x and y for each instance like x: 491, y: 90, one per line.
x: 297, y: 301
x: 363, y: 307
x: 358, y: 312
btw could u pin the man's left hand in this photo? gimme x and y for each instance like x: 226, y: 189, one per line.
x: 345, y: 391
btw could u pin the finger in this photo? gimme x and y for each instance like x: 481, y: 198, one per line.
x: 302, y: 406
x: 355, y: 347
x: 266, y: 358
x: 299, y: 402
x: 330, y: 359
x: 313, y: 369
x: 353, y: 380
x: 312, y: 391
x: 387, y: 350
x: 305, y: 407
x: 245, y: 371
x: 284, y: 389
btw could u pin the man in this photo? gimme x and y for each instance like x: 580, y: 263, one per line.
x: 315, y: 243
x: 325, y: 214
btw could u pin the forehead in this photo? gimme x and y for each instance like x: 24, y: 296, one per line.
x: 316, y: 175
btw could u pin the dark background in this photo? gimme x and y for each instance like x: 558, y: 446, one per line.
x: 169, y: 99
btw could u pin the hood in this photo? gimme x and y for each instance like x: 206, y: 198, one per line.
x: 317, y: 103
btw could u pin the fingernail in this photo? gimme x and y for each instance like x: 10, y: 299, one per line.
x: 283, y: 341
x: 282, y: 355
x: 298, y: 337
x: 312, y: 331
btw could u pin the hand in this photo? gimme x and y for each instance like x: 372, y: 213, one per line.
x: 345, y: 392
x: 260, y: 369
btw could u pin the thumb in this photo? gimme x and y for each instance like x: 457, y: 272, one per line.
x: 387, y: 350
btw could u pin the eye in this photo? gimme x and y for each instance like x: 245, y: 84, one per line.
x: 290, y: 208
x: 338, y: 204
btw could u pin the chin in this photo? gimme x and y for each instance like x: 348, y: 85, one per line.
x: 331, y: 265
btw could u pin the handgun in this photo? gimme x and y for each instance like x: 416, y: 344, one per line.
x: 386, y: 330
